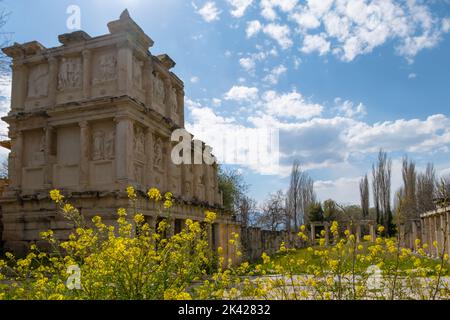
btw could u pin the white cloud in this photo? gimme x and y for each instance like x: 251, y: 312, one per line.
x: 209, y: 12
x: 275, y: 74
x: 239, y: 7
x: 279, y: 33
x: 349, y: 109
x: 297, y: 62
x: 356, y: 27
x: 412, y: 76
x: 253, y: 28
x: 446, y: 25
x: 247, y: 63
x: 290, y: 104
x: 5, y: 100
x: 317, y: 43
x: 194, y: 79
x: 242, y: 93
x: 320, y: 142
x: 216, y: 102
x: 268, y: 7
x: 344, y: 189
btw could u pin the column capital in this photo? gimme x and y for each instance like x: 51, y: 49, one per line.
x: 83, y: 124
x: 86, y: 53
x: 122, y: 117
x: 52, y: 60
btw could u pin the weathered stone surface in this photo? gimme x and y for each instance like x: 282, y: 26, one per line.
x: 90, y: 118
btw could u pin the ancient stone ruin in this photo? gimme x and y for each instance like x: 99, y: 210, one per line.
x: 90, y: 118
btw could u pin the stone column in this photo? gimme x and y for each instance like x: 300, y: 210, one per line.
x: 149, y: 177
x: 313, y: 233
x: 19, y: 87
x: 441, y: 231
x: 16, y: 160
x: 167, y: 87
x: 434, y: 233
x: 87, y: 73
x: 414, y: 234
x: 208, y: 186
x: 124, y: 150
x: 180, y: 104
x: 148, y: 85
x: 373, y: 234
x: 52, y: 80
x: 327, y: 233
x: 358, y: 233
x: 428, y: 220
x: 48, y: 174
x: 447, y: 223
x: 125, y: 68
x: 199, y: 188
x: 84, y: 154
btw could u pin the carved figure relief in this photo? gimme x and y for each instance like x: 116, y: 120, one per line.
x: 157, y: 160
x: 69, y: 76
x: 98, y: 146
x: 38, y: 81
x: 138, y: 175
x: 39, y: 156
x: 110, y: 145
x: 107, y: 68
x: 200, y: 180
x: 172, y: 101
x: 187, y: 188
x: 158, y: 90
x: 139, y: 141
x: 137, y: 73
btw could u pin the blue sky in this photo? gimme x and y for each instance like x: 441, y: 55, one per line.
x: 340, y: 79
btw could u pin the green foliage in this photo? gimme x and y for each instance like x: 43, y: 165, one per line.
x: 233, y: 188
x: 315, y: 212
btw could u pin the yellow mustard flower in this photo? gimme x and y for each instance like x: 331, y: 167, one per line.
x: 210, y: 216
x: 154, y: 194
x: 131, y: 192
x: 56, y: 196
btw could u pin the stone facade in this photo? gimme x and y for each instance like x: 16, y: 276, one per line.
x: 91, y: 117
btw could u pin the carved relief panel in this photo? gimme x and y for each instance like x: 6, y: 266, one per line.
x: 158, y: 153
x: 34, y: 148
x: 139, y: 143
x: 158, y: 90
x: 105, y: 69
x: 172, y: 101
x: 102, y: 154
x: 103, y: 141
x: 137, y: 73
x: 104, y: 73
x: 70, y: 74
x: 159, y: 162
x: 66, y: 171
x: 38, y: 81
x: 174, y: 178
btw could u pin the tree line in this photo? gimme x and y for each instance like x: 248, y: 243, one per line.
x: 299, y: 205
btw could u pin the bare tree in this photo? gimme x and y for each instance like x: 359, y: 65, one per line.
x: 426, y: 189
x: 246, y: 209
x: 5, y: 39
x: 409, y: 196
x: 4, y: 169
x: 382, y: 172
x: 364, y: 192
x: 273, y: 212
x: 299, y: 196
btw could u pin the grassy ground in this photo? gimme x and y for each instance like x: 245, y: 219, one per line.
x: 287, y: 259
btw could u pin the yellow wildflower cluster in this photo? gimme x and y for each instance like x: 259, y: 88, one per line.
x: 154, y: 194
x: 56, y: 196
